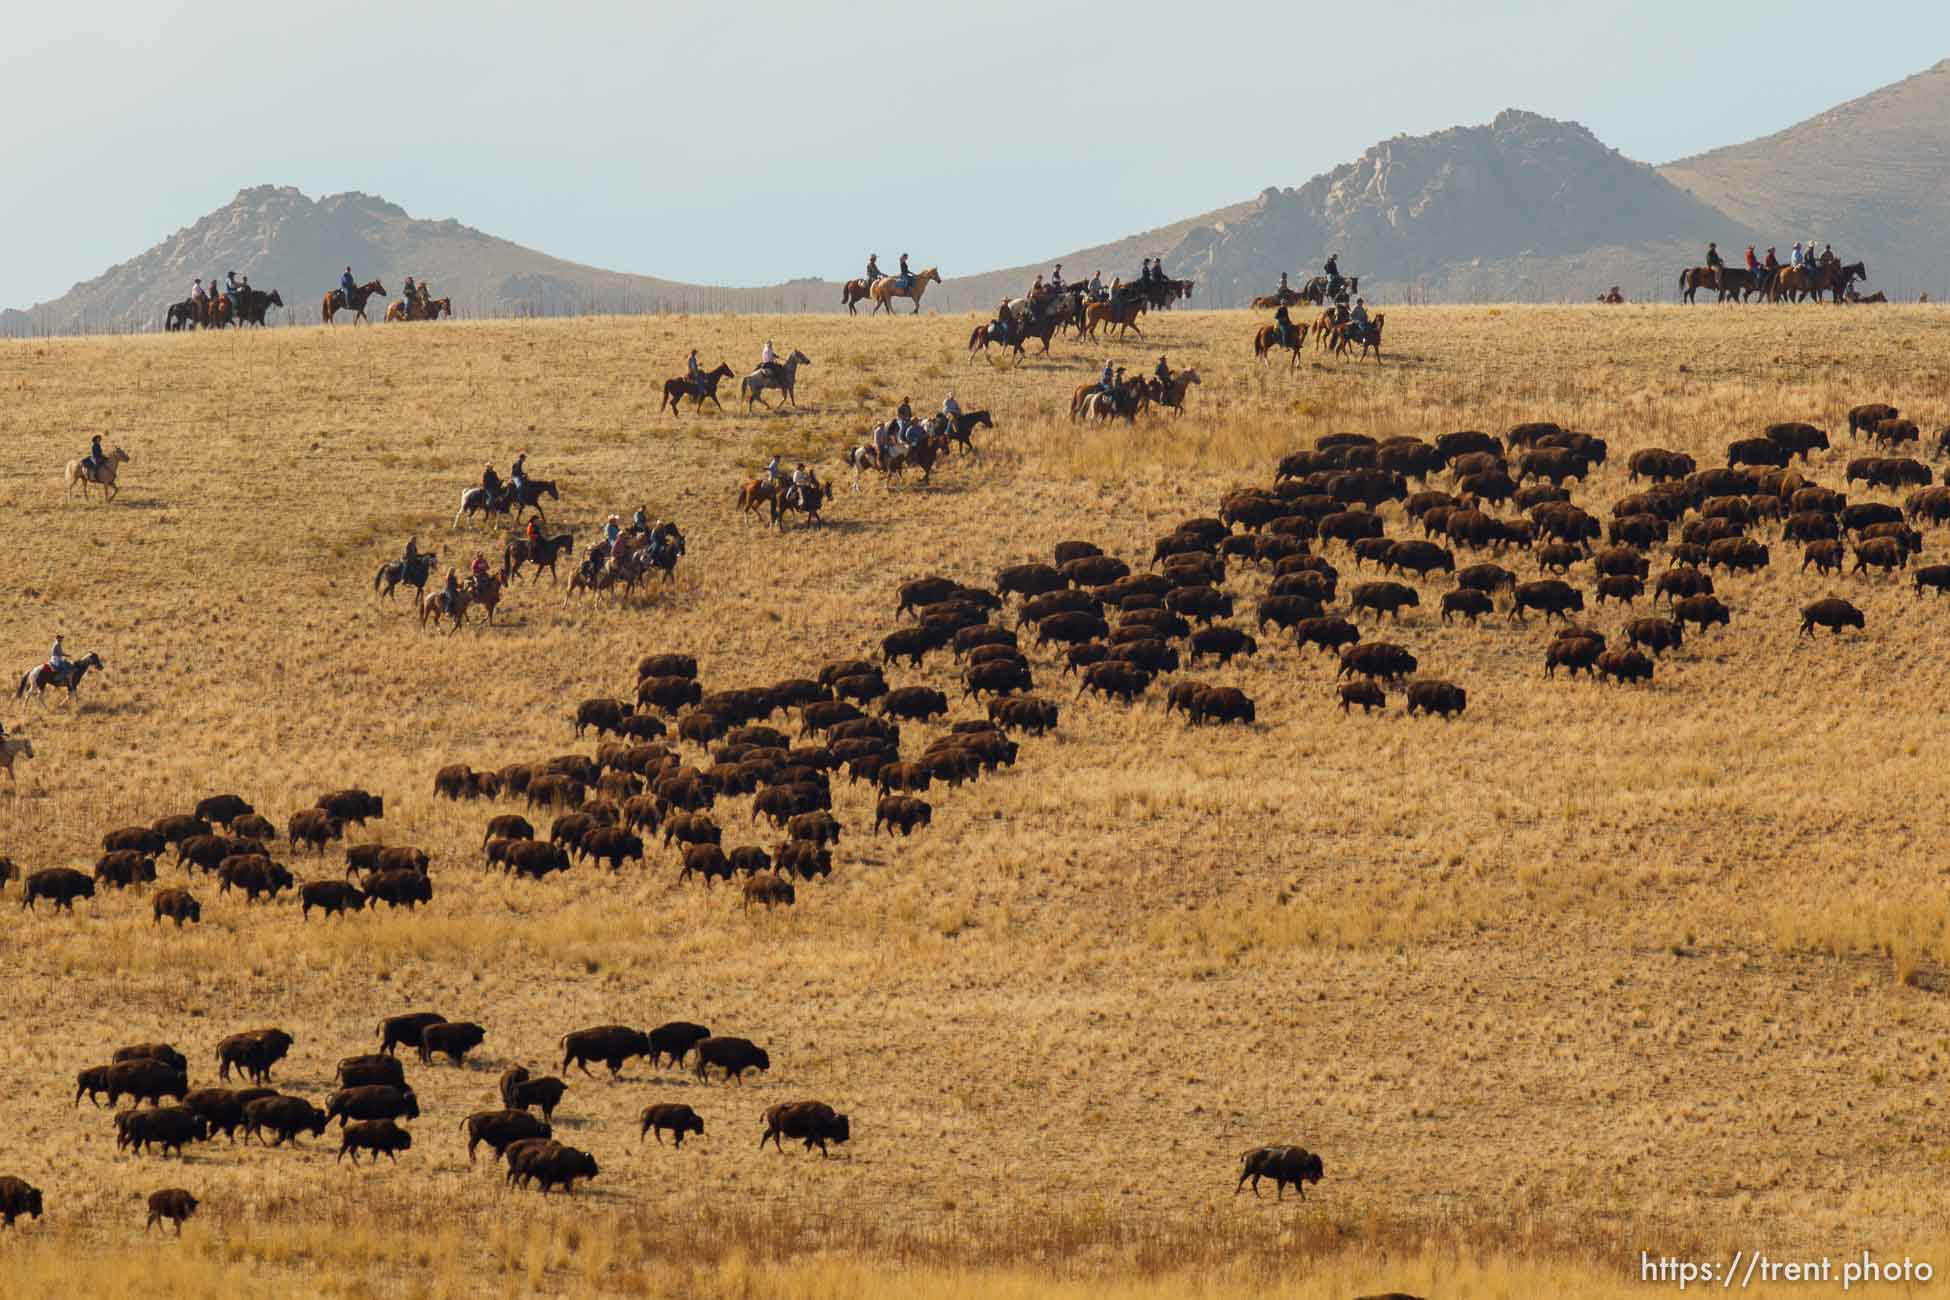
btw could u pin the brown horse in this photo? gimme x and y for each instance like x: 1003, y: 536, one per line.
x: 755, y: 493
x: 1269, y: 302
x: 1173, y: 395
x: 485, y: 591
x: 1267, y: 337
x: 676, y: 390
x: 335, y: 301
x: 542, y: 553
x: 1695, y: 278
x: 887, y: 288
x: 104, y: 475
x: 1370, y: 340
x: 1121, y: 316
x: 852, y: 293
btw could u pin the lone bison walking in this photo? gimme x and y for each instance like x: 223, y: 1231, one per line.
x: 1295, y: 1165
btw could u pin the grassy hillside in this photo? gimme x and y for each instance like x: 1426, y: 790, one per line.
x: 1589, y: 971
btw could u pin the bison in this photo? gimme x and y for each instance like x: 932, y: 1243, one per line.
x: 813, y: 1122
x: 732, y: 1055
x: 375, y: 1136
x: 1444, y: 699
x: 1284, y: 1165
x: 453, y: 1039
x: 1833, y: 613
x: 610, y: 1044
x: 500, y: 1129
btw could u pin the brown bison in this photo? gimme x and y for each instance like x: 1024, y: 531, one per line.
x: 404, y: 1030
x: 550, y: 1164
x: 283, y: 1117
x: 813, y: 1122
x: 372, y: 1101
x: 1376, y: 659
x: 732, y: 1055
x: 59, y: 885
x: 376, y: 1136
x: 610, y: 1044
x: 254, y: 1052
x: 1833, y: 613
x: 18, y: 1197
x: 1284, y: 1165
x: 1444, y: 699
x: 674, y: 1118
x: 172, y: 1203
x: 1556, y: 599
x: 333, y: 897
x: 1656, y: 634
x: 451, y: 1039
x: 501, y: 1128
x: 903, y: 813
x: 1625, y: 666
x: 1366, y: 694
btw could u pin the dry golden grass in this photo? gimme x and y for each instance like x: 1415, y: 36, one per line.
x: 1586, y: 972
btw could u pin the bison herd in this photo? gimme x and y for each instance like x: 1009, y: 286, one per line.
x: 373, y: 1102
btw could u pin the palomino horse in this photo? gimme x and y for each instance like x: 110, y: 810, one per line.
x: 781, y: 376
x: 335, y: 301
x: 41, y: 676
x: 393, y: 573
x: 103, y: 474
x: 1121, y: 316
x: 887, y: 288
x: 542, y: 553
x: 676, y: 390
x: 1130, y: 401
x: 12, y: 749
x: 1174, y: 395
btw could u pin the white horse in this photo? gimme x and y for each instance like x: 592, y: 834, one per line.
x: 79, y: 472
x: 12, y: 749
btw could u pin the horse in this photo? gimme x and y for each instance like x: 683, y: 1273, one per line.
x: 221, y: 311
x: 12, y: 749
x: 676, y: 390
x: 396, y: 311
x: 852, y: 293
x: 922, y: 456
x: 781, y: 376
x: 1272, y: 301
x: 484, y: 590
x: 435, y: 605
x: 1040, y: 328
x: 806, y: 501
x: 1121, y: 315
x: 1314, y: 291
x: 182, y: 316
x: 1267, y: 337
x: 529, y: 495
x: 1322, y: 330
x: 393, y: 573
x: 251, y: 305
x: 959, y: 429
x: 1370, y: 338
x: 102, y: 474
x: 335, y: 301
x: 41, y: 676
x: 1695, y: 278
x: 887, y: 288
x: 476, y: 500
x: 1174, y: 394
x: 542, y: 553
x: 755, y: 493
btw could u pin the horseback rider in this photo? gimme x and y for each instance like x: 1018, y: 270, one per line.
x: 802, y: 478
x: 1056, y: 279
x: 1107, y: 381
x: 884, y: 444
x: 612, y: 530
x: 1828, y: 257
x: 196, y: 293
x: 490, y: 484
x: 1283, y: 292
x: 57, y: 660
x: 951, y: 409
x: 518, y: 473
x: 767, y: 358
x: 999, y: 327
x: 1285, y: 322
x: 1770, y: 264
x: 694, y: 373
x: 873, y: 268
x: 1036, y: 290
x: 409, y: 560
x: 1163, y: 374
x: 348, y: 286
x: 453, y: 591
x: 479, y: 569
x: 773, y: 475
x: 426, y: 296
x: 1357, y: 321
x: 412, y: 299
x: 235, y: 290
x: 906, y: 278
x: 1333, y: 271
x: 94, y: 460
x: 904, y: 413
x: 1713, y: 261
x: 1794, y: 258
x: 1116, y: 292
x: 1753, y: 264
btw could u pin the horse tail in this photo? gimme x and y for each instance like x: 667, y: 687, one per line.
x: 377, y: 576
x: 21, y: 689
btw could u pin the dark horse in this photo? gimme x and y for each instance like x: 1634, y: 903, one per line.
x: 676, y: 390
x: 806, y: 500
x: 41, y: 676
x: 542, y: 553
x: 393, y: 573
x: 958, y: 430
x: 529, y: 495
x: 182, y: 316
x: 1734, y: 282
x: 335, y: 301
x: 253, y: 303
x: 1314, y: 291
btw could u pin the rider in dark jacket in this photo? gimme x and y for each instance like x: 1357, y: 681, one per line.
x: 1163, y: 373
x: 348, y: 286
x: 490, y: 484
x: 1285, y: 322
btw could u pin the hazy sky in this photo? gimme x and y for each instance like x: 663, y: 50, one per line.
x: 753, y: 141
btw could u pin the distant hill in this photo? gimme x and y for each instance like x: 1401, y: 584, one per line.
x: 1525, y: 207
x: 288, y: 242
x: 1871, y: 176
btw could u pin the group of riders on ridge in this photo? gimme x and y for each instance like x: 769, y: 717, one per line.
x: 1765, y: 269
